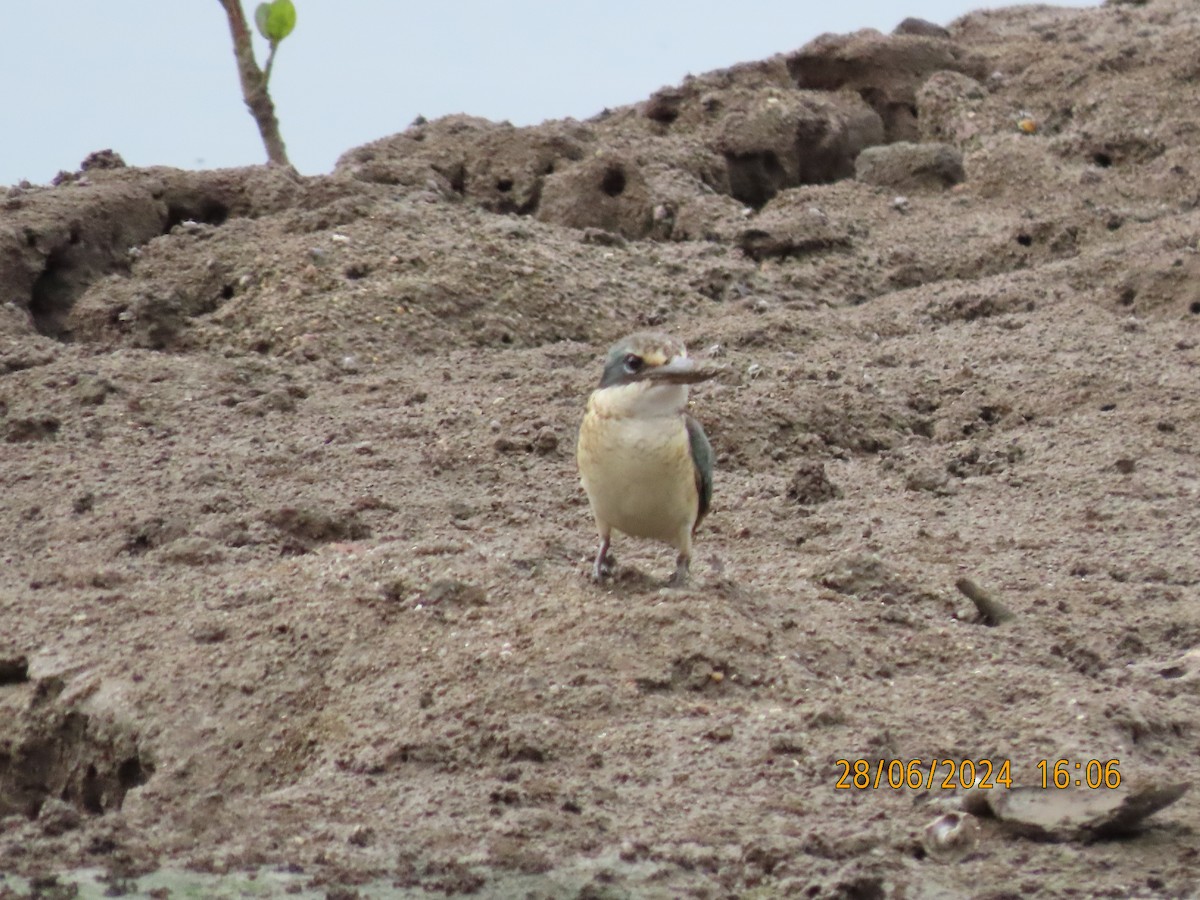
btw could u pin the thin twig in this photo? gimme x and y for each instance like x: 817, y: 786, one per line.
x: 254, y: 83
x: 266, y: 78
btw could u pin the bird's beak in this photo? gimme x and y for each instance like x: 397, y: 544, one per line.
x: 680, y: 370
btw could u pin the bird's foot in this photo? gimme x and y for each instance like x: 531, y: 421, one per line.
x: 681, y: 574
x: 604, y: 567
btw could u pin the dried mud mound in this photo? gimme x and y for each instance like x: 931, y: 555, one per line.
x: 294, y: 552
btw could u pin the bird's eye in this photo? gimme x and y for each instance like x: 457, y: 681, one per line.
x: 633, y: 363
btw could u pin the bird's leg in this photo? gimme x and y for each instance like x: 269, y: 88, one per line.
x: 604, y: 565
x: 682, y: 565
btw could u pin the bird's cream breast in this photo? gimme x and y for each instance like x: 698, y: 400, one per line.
x: 637, y: 470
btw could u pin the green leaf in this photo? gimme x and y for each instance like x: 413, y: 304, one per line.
x: 275, y: 20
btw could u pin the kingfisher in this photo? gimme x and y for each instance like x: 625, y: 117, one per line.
x: 646, y: 465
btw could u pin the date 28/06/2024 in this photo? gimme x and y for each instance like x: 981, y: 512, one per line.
x: 947, y: 774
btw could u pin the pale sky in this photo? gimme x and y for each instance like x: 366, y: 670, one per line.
x: 155, y: 80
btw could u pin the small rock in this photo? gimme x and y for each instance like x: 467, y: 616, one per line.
x: 451, y: 592
x: 1079, y: 813
x: 58, y: 817
x: 857, y: 574
x: 545, y: 442
x: 603, y: 238
x: 951, y: 836
x: 664, y: 105
x: 395, y: 589
x: 785, y: 232
x: 910, y: 166
x: 314, y: 526
x: 913, y: 25
x: 789, y: 743
x: 102, y: 159
x: 811, y: 486
x: 1184, y: 668
x: 28, y: 430
x: 192, y: 551
x: 150, y: 533
x: 106, y: 579
x: 720, y: 734
x: 209, y: 633
x: 931, y: 479
x: 278, y: 400
x: 92, y: 390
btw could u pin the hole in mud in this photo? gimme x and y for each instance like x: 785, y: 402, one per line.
x: 1024, y: 240
x: 528, y: 754
x: 209, y: 211
x: 89, y: 792
x: 52, y: 297
x: 1128, y: 296
x: 456, y: 175
x: 529, y: 207
x: 56, y: 753
x: 138, y: 545
x: 14, y: 670
x: 922, y: 427
x: 504, y: 185
x: 227, y: 292
x: 1102, y: 159
x: 1194, y: 307
x: 754, y: 178
x: 131, y: 773
x: 613, y: 182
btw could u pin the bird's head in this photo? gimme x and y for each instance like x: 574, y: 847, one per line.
x: 648, y: 374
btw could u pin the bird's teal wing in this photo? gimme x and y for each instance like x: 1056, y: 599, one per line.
x: 702, y: 461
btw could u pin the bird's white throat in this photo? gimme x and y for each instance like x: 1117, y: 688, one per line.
x: 642, y: 400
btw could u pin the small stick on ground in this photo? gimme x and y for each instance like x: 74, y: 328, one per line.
x: 991, y: 611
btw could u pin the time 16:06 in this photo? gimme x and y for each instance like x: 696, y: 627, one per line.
x: 1093, y: 774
